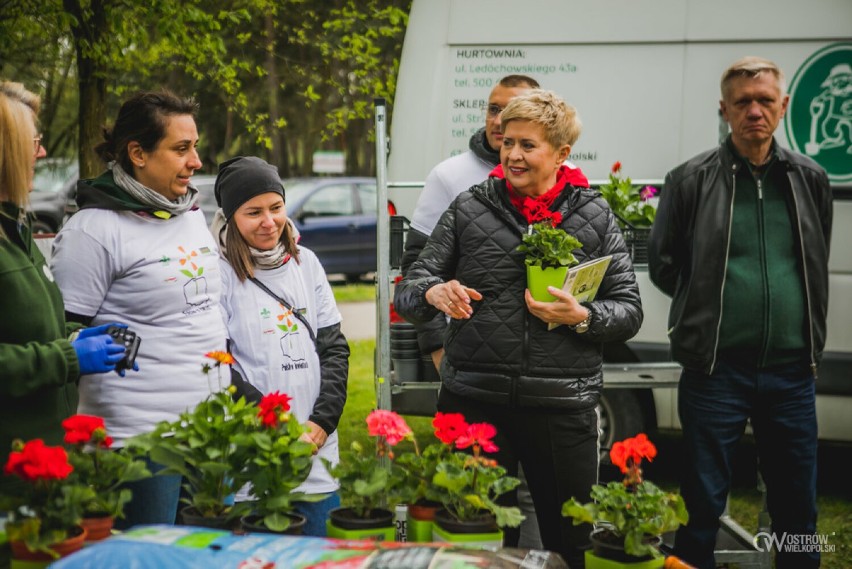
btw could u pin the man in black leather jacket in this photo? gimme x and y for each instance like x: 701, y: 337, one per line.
x: 741, y: 242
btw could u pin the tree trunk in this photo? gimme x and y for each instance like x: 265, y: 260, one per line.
x: 278, y: 153
x: 87, y: 29
x: 92, y: 116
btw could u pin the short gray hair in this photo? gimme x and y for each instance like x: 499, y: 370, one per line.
x: 751, y: 66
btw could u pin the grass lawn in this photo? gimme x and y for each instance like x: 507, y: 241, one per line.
x: 835, y: 511
x: 353, y: 292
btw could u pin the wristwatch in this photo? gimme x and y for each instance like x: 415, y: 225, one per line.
x: 583, y: 326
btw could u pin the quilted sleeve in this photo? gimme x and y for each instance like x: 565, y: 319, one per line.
x: 435, y: 264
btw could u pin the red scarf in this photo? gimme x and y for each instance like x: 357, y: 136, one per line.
x: 537, y: 209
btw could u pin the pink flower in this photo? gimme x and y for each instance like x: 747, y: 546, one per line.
x: 449, y: 426
x: 479, y: 435
x: 648, y: 192
x: 387, y: 424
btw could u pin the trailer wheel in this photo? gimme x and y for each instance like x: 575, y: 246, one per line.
x: 621, y: 417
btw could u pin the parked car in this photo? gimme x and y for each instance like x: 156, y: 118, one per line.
x: 336, y: 217
x: 206, y: 199
x: 53, y: 185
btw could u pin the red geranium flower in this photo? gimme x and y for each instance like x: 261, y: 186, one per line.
x: 271, y: 407
x: 630, y: 452
x: 449, y: 426
x: 82, y: 429
x: 36, y: 461
x: 387, y: 424
x: 616, y: 167
x: 479, y: 435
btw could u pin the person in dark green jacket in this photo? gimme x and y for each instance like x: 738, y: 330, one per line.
x: 41, y: 355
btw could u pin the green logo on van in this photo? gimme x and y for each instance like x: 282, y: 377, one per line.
x: 819, y: 118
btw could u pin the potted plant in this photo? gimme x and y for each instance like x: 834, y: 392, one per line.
x: 200, y: 446
x: 468, y: 485
x: 370, y: 481
x: 549, y: 254
x: 633, y: 212
x: 460, y: 488
x: 103, y: 470
x: 277, y: 461
x: 419, y: 469
x: 44, y: 517
x: 630, y: 515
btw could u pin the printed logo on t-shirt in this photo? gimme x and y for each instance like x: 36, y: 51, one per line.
x: 190, y: 266
x: 291, y: 342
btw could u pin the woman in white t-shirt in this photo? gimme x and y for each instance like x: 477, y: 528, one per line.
x: 139, y: 251
x: 282, y: 320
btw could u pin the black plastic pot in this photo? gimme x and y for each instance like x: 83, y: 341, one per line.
x: 345, y: 518
x: 484, y: 523
x: 608, y: 545
x: 191, y: 517
x: 254, y: 523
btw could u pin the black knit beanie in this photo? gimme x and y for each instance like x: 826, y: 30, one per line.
x: 242, y: 178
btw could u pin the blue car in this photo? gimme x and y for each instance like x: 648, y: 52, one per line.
x: 336, y: 217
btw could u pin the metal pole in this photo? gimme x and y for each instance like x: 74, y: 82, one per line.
x: 382, y: 367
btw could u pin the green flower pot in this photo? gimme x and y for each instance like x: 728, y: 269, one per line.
x: 539, y: 279
x: 482, y: 533
x: 595, y: 562
x: 608, y: 553
x: 344, y: 524
x: 420, y: 521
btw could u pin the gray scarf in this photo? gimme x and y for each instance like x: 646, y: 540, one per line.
x: 149, y: 197
x: 271, y: 259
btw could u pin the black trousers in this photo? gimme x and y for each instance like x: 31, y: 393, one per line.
x: 559, y: 452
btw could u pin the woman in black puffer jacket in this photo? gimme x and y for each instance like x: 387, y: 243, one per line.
x: 502, y: 365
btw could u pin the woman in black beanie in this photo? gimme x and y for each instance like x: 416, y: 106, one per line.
x: 282, y: 320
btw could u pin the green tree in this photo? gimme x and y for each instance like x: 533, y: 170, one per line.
x: 278, y: 78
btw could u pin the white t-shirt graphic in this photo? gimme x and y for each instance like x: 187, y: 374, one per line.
x: 274, y: 351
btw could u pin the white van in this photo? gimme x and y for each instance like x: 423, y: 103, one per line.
x: 644, y: 76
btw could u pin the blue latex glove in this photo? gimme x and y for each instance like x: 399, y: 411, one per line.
x: 97, y: 330
x: 135, y: 368
x: 97, y: 354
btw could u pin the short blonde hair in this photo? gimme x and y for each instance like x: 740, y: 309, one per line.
x: 561, y: 123
x: 18, y: 110
x: 751, y: 66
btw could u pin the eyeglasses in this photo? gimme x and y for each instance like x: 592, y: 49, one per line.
x: 493, y: 110
x: 37, y: 143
